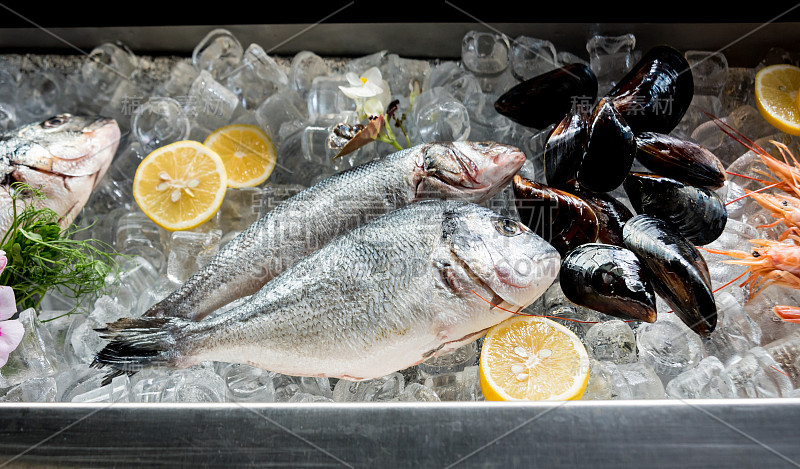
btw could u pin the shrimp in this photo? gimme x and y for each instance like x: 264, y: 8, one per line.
x: 770, y: 262
x: 785, y: 208
x: 787, y: 313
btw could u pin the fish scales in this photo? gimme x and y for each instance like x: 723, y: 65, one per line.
x: 305, y: 222
x: 377, y: 299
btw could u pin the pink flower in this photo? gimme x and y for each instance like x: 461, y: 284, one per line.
x: 11, y: 330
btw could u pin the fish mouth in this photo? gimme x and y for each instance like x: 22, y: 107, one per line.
x: 520, y: 284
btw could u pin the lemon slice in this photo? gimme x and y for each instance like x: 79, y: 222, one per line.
x: 776, y: 96
x: 248, y: 153
x: 180, y: 185
x: 533, y: 358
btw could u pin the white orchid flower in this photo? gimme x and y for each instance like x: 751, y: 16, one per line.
x: 370, y: 92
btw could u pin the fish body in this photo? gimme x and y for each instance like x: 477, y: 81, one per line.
x: 64, y: 156
x: 409, y: 285
x: 459, y: 170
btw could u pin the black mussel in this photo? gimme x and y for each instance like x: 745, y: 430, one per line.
x: 544, y: 99
x: 608, y: 279
x: 697, y: 213
x: 565, y: 146
x: 655, y: 94
x: 676, y: 270
x: 679, y: 159
x: 562, y: 219
x: 611, y: 213
x: 609, y: 152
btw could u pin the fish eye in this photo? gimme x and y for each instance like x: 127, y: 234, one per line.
x: 483, y: 145
x: 55, y: 121
x: 507, y: 227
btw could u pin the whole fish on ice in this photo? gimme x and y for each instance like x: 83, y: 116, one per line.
x: 469, y: 171
x: 64, y: 156
x: 385, y: 296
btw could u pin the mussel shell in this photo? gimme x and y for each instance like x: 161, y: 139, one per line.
x: 565, y: 147
x: 544, y: 99
x: 608, y: 279
x: 611, y: 213
x: 679, y: 159
x: 697, y: 213
x: 561, y: 218
x: 657, y: 91
x: 610, y: 150
x: 676, y: 269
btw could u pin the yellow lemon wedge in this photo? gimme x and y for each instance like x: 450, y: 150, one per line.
x: 528, y: 358
x: 181, y: 185
x: 777, y: 98
x: 247, y: 152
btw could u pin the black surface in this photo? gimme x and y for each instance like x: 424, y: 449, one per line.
x: 159, y: 13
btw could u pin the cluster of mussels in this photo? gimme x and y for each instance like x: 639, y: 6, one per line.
x: 614, y: 260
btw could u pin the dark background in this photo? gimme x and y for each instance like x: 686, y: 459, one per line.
x: 214, y: 12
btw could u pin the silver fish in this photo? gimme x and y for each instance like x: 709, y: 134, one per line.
x: 459, y: 170
x: 412, y: 284
x: 65, y: 156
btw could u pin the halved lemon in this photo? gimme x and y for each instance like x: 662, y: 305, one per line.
x: 181, y: 185
x: 247, y: 152
x: 529, y: 358
x: 777, y: 97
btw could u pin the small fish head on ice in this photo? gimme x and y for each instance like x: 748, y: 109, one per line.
x: 67, y: 144
x: 472, y: 171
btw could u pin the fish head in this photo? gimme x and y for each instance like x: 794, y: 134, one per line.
x: 472, y: 171
x: 70, y: 145
x: 508, y: 258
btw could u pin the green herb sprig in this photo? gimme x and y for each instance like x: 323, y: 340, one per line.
x: 43, y: 256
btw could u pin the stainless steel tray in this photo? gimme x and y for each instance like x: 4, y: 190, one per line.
x: 663, y: 433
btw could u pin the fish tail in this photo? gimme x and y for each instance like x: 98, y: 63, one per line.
x: 140, y: 343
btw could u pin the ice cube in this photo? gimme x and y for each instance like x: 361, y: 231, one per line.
x: 219, y: 53
x: 747, y: 120
x: 38, y: 95
x: 709, y: 70
x: 137, y: 235
x: 610, y: 58
x: 670, y: 347
x: 255, y: 78
x: 306, y: 66
x: 416, y: 392
x: 757, y: 374
x: 760, y: 309
x: 34, y: 357
x: 486, y: 123
x: 531, y: 57
x: 158, y: 122
x: 439, y: 116
x: 599, y: 385
x: 738, y: 88
x: 635, y: 381
x: 462, y: 385
x: 485, y: 53
x: 612, y: 341
x: 705, y: 381
x: 209, y: 104
x: 451, y: 362
x: 786, y: 352
x: 31, y: 390
x: 696, y: 113
x: 308, y: 398
x: 404, y: 75
x: 190, y: 250
x: 115, y: 391
x: 180, y: 80
x: 379, y: 389
x: 326, y: 99
x: 247, y: 383
x: 736, y: 332
x: 281, y: 115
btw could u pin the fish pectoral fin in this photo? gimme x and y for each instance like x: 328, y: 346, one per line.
x: 449, y: 277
